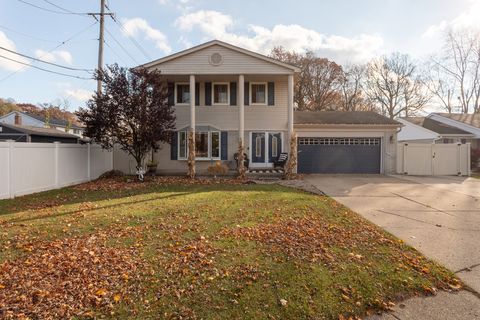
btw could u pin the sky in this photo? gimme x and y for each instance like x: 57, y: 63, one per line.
x: 346, y: 31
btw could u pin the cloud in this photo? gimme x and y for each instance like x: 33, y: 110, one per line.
x: 468, y: 19
x: 135, y: 26
x: 79, y: 94
x: 54, y: 56
x: 7, y: 64
x: 216, y: 25
x: 182, y: 5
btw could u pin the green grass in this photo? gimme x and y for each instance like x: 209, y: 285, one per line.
x: 199, y: 265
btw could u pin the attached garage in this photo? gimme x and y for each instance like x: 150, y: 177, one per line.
x: 339, y: 155
x: 345, y: 142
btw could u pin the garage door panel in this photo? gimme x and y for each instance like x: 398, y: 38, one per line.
x: 339, y: 158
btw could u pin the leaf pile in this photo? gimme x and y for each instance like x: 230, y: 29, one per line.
x: 314, y: 239
x: 131, y: 183
x: 68, y: 277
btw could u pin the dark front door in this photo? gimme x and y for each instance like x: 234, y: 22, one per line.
x: 274, y: 146
x: 258, y: 147
x: 339, y: 155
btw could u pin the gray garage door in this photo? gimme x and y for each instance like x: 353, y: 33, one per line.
x: 339, y: 155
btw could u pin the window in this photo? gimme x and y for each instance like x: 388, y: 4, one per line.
x: 274, y: 146
x: 339, y: 141
x: 182, y: 93
x: 207, y: 145
x: 201, y: 144
x: 259, y: 93
x: 221, y: 94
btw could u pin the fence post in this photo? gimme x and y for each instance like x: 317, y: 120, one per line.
x: 11, y: 192
x: 405, y: 147
x: 56, y: 163
x: 469, y: 160
x: 89, y: 166
x: 459, y: 164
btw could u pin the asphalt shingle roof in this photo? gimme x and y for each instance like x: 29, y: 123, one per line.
x: 49, y: 132
x: 435, y: 126
x: 471, y: 119
x: 343, y: 117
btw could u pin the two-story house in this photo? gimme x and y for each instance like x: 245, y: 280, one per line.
x: 226, y: 94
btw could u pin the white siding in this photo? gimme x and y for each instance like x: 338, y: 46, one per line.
x: 233, y: 63
x: 226, y: 117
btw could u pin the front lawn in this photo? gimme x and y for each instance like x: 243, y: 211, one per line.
x: 174, y: 249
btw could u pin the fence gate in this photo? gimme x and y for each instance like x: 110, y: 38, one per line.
x: 433, y: 159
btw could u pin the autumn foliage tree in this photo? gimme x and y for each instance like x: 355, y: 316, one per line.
x: 318, y: 82
x: 132, y: 111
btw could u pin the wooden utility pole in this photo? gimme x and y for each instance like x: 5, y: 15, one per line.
x: 102, y: 15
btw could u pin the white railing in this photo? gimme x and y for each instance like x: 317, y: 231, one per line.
x: 33, y: 167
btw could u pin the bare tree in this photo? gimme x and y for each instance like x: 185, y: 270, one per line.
x: 318, y: 83
x: 353, y: 97
x: 393, y: 85
x: 440, y: 84
x: 461, y: 65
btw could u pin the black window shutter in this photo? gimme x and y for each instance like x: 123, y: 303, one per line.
x: 224, y: 146
x: 233, y: 93
x: 246, y: 88
x: 174, y: 146
x: 171, y: 93
x: 197, y: 93
x: 271, y: 93
x: 208, y: 93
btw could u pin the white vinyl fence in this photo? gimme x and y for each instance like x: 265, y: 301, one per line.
x: 32, y: 167
x: 424, y: 159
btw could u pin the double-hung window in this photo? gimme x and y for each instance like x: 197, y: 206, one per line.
x: 221, y: 93
x: 182, y: 93
x: 207, y: 145
x: 258, y: 93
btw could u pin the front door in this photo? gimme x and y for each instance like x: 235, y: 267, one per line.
x: 258, y: 148
x: 265, y: 147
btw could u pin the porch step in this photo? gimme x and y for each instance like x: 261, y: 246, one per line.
x: 265, y: 170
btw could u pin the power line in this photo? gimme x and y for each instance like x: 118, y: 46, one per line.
x: 56, y: 47
x: 46, y: 70
x: 114, y: 52
x: 43, y: 61
x: 26, y: 35
x: 61, y: 8
x: 121, y: 46
x: 49, y: 10
x: 135, y: 42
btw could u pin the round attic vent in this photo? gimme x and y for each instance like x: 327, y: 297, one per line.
x: 216, y: 59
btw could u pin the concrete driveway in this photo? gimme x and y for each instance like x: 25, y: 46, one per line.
x: 440, y: 216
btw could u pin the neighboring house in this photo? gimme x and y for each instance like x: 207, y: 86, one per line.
x: 414, y: 132
x: 449, y: 128
x: 33, y: 120
x: 21, y: 133
x: 226, y: 94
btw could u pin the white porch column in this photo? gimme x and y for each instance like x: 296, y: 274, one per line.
x: 192, y: 102
x: 290, y: 104
x: 241, y: 109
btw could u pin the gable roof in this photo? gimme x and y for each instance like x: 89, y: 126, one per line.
x: 470, y: 119
x: 222, y: 44
x: 342, y: 117
x: 49, y: 132
x: 436, y: 126
x: 52, y: 121
x: 412, y: 131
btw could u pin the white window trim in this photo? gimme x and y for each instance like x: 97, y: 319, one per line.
x: 228, y: 94
x: 209, y: 146
x: 251, y: 93
x: 175, y: 94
